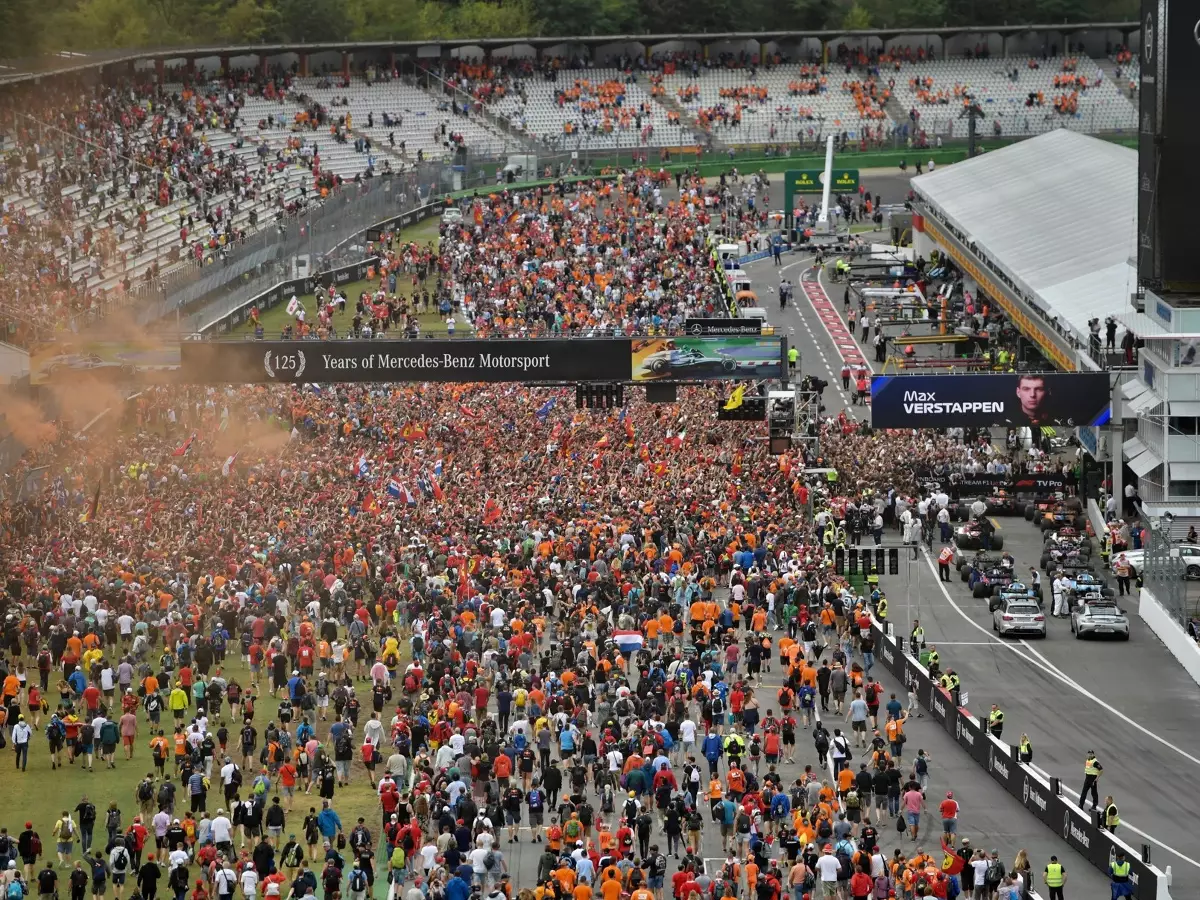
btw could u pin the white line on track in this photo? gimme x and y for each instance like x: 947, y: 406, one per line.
x: 1036, y: 659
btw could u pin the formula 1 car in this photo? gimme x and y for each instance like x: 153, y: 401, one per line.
x: 1059, y: 516
x: 1065, y: 547
x: 990, y: 581
x: 1003, y: 503
x: 688, y: 361
x: 1085, y: 585
x: 980, y: 559
x: 969, y: 537
x: 1014, y: 590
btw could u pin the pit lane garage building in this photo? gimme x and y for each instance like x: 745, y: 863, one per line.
x: 1047, y: 229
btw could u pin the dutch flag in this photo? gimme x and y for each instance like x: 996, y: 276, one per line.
x: 628, y: 641
x: 437, y: 468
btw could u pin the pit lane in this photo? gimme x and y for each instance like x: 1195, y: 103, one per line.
x: 1128, y: 701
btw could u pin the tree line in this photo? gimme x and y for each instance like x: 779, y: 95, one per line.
x: 32, y: 27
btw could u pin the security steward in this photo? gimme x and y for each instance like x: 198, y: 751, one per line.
x: 935, y: 661
x: 1091, y: 774
x: 944, y: 559
x: 952, y: 685
x: 1111, y: 818
x: 1119, y: 874
x: 1055, y: 878
x: 996, y: 721
x: 881, y: 610
x: 793, y: 355
x: 916, y: 638
x: 1025, y: 749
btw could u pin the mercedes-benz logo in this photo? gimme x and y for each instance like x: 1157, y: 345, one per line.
x: 1025, y: 791
x: 697, y: 329
x: 1067, y: 826
x: 958, y: 726
x: 1196, y: 31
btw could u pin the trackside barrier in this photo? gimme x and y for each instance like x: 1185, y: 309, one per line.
x: 228, y: 321
x: 285, y: 289
x: 999, y: 760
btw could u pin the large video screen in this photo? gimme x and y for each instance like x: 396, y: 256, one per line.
x: 706, y: 359
x: 529, y: 361
x: 1015, y: 399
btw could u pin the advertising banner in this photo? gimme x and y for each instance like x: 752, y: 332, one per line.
x: 984, y: 483
x: 1065, y: 819
x: 707, y: 359
x: 716, y: 327
x: 965, y: 401
x: 297, y: 362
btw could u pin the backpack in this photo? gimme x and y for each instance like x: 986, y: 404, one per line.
x: 35, y: 844
x: 145, y: 792
x: 871, y: 696
x: 995, y: 872
x: 15, y: 891
x: 113, y: 819
x: 489, y: 861
x: 358, y: 881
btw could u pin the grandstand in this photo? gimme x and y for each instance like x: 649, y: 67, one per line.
x: 113, y: 181
x: 601, y: 109
x: 1018, y: 94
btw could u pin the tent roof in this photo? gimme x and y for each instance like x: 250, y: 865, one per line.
x: 1065, y: 226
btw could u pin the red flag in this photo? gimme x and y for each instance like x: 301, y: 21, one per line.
x: 602, y: 443
x: 953, y: 863
x: 438, y: 494
x: 183, y: 448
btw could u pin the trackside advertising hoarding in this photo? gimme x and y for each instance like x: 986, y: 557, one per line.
x: 965, y: 401
x: 297, y: 362
x: 529, y: 361
x: 996, y: 759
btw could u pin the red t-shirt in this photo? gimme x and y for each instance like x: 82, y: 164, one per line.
x: 949, y: 809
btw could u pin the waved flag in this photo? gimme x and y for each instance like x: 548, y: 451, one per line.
x: 182, y: 449
x: 628, y: 641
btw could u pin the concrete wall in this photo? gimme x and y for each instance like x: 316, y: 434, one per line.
x: 1171, y: 633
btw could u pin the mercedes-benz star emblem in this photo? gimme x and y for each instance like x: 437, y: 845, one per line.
x: 1067, y: 826
x: 1025, y: 791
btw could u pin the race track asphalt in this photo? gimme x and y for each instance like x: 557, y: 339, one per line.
x: 1130, y: 701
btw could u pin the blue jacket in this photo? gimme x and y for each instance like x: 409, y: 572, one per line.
x: 781, y: 806
x: 329, y: 823
x: 457, y: 889
x: 711, y: 747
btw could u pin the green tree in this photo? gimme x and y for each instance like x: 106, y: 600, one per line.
x: 106, y: 23
x: 856, y: 19
x: 311, y: 21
